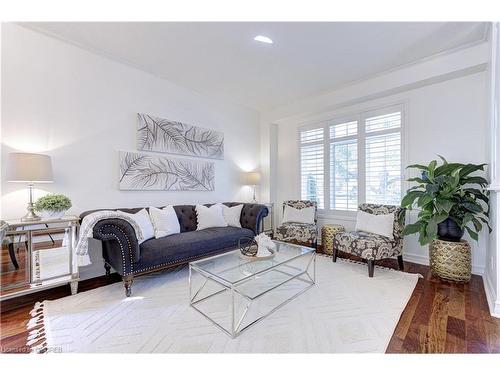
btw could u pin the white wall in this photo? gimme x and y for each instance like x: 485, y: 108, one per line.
x: 81, y: 108
x: 445, y: 113
x: 491, y: 277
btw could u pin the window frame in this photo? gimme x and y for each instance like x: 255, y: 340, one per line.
x: 325, y: 121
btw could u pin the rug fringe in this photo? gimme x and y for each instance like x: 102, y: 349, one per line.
x: 37, y: 339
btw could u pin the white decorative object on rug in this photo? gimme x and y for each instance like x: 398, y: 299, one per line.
x: 209, y: 217
x: 264, y: 244
x: 344, y: 312
x: 158, y: 134
x: 87, y: 231
x: 144, y: 221
x: 232, y: 215
x: 378, y: 224
x: 165, y: 221
x: 140, y: 171
x: 294, y: 215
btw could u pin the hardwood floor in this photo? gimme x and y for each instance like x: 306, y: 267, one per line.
x: 441, y: 317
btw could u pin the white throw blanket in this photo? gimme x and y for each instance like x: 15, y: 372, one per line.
x: 87, y: 231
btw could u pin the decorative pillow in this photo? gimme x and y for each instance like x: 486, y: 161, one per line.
x: 209, y: 217
x: 164, y: 221
x: 304, y: 215
x: 232, y: 215
x: 377, y: 224
x: 144, y: 222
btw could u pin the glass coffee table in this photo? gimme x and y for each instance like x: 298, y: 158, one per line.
x: 235, y: 293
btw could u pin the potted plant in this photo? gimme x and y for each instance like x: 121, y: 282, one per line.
x: 450, y: 201
x: 53, y: 205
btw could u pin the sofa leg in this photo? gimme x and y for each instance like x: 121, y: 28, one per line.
x: 371, y: 267
x: 127, y: 283
x: 401, y: 263
x: 107, y: 267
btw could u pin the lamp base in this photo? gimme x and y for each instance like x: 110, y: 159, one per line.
x: 31, y: 215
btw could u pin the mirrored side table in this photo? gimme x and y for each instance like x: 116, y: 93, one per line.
x: 268, y: 222
x: 38, y: 255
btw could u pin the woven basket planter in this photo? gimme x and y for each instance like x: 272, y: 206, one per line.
x: 327, y: 232
x: 451, y: 260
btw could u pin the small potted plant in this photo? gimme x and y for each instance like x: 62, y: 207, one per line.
x: 53, y: 206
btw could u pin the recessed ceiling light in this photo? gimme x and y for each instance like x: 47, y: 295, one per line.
x: 263, y: 39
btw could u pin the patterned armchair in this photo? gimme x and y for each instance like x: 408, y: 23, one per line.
x: 371, y: 246
x: 300, y: 233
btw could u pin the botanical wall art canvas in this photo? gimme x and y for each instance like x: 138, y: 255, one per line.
x: 161, y: 135
x: 140, y: 171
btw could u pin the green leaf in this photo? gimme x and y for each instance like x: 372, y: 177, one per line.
x: 443, y: 159
x: 447, y: 169
x: 432, y: 168
x: 417, y: 166
x: 477, y: 224
x: 474, y: 180
x: 432, y: 188
x: 425, y: 200
x: 412, y: 228
x: 410, y: 197
x: 417, y: 179
x: 473, y: 207
x: 444, y: 205
x: 472, y: 234
x: 469, y: 168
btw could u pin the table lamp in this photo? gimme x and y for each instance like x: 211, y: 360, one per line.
x: 29, y: 168
x: 252, y: 179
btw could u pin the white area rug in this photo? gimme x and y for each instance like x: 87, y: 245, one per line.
x: 344, y: 312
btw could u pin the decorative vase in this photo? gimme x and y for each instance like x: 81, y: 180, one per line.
x: 448, y: 230
x: 53, y: 214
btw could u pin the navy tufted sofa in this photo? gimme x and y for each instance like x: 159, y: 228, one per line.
x: 122, y: 252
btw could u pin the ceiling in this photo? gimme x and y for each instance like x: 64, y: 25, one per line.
x: 223, y: 60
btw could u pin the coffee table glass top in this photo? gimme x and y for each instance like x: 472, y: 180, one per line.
x: 231, y: 268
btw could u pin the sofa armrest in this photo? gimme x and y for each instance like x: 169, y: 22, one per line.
x: 252, y: 216
x: 120, y: 244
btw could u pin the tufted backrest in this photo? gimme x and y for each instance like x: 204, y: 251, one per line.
x: 300, y: 204
x: 384, y: 209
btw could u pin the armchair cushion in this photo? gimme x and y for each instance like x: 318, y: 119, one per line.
x: 368, y: 246
x: 295, y: 215
x: 300, y: 232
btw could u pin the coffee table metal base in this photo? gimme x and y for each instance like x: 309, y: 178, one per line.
x: 236, y: 326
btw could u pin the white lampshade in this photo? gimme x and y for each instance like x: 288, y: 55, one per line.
x: 251, y: 178
x: 24, y: 167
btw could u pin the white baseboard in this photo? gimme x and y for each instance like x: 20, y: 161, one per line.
x: 422, y: 259
x: 491, y: 297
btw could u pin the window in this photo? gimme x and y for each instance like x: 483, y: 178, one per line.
x: 358, y: 157
x: 344, y: 166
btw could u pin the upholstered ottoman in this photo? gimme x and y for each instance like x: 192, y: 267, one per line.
x: 327, y: 232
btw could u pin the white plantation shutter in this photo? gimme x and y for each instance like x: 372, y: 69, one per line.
x: 383, y: 122
x: 360, y: 160
x: 344, y: 166
x: 383, y: 169
x: 312, y: 166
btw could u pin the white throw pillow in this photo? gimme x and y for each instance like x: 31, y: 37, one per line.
x: 144, y: 222
x: 209, y: 217
x: 304, y: 215
x: 164, y: 221
x: 232, y: 215
x: 377, y: 224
